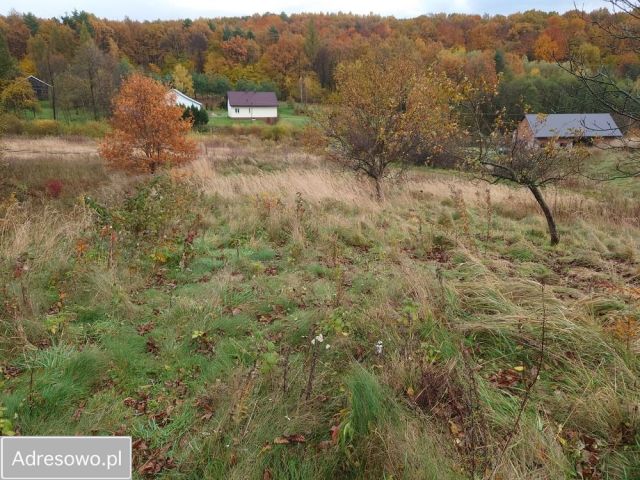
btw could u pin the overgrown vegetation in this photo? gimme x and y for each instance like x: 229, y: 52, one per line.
x: 238, y: 329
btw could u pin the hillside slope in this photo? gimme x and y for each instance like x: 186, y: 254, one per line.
x: 258, y: 315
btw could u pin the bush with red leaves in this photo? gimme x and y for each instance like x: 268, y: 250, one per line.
x: 53, y: 188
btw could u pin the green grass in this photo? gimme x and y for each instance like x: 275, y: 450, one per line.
x: 80, y: 122
x: 45, y: 112
x: 205, y: 350
x: 287, y: 118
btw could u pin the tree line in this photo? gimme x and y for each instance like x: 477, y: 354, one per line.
x: 297, y: 56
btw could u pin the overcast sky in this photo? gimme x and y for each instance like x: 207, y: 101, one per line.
x: 164, y: 9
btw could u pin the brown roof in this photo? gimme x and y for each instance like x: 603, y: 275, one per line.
x: 252, y: 99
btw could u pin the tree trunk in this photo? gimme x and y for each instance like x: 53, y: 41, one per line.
x: 379, y: 191
x: 93, y: 98
x: 53, y: 98
x: 553, y: 230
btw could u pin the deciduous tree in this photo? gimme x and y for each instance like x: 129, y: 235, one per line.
x: 500, y: 152
x: 96, y: 70
x: 182, y: 79
x: 18, y: 96
x: 49, y: 49
x: 148, y: 130
x: 546, y: 48
x: 517, y: 161
x: 388, y: 111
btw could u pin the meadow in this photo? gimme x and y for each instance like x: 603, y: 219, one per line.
x: 288, y: 117
x: 291, y: 121
x: 256, y: 314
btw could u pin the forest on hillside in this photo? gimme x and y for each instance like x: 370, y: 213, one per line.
x: 85, y: 57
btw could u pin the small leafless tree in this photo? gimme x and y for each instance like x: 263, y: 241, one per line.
x: 622, y: 29
x: 505, y: 155
x: 499, y: 152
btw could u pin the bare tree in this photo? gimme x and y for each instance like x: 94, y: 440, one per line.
x: 622, y: 29
x: 95, y: 69
x: 50, y: 62
x: 499, y: 151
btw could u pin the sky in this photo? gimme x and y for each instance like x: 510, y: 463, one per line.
x: 171, y: 9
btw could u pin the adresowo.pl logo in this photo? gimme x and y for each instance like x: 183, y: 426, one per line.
x: 58, y: 458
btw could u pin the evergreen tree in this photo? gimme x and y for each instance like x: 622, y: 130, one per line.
x: 273, y: 34
x: 199, y: 116
x: 32, y: 22
x: 8, y: 66
x: 311, y: 41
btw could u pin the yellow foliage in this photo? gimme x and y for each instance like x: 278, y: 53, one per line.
x: 182, y: 79
x: 27, y: 66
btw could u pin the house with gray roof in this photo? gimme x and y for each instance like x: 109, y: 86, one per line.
x: 252, y: 105
x: 569, y: 128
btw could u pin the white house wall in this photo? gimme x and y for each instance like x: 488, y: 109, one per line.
x: 252, y: 112
x: 186, y: 103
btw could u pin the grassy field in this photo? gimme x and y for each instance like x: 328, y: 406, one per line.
x: 287, y: 117
x: 80, y: 124
x: 45, y: 112
x: 257, y: 315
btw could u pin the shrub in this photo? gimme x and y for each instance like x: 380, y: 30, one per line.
x: 53, y: 187
x: 12, y: 124
x: 42, y: 128
x: 143, y: 117
x: 153, y: 207
x: 199, y: 116
x: 91, y: 129
x: 275, y: 133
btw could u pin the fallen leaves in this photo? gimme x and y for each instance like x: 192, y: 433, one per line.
x: 507, y: 378
x: 206, y: 404
x: 152, y: 347
x: 150, y: 462
x: 81, y: 247
x: 178, y: 387
x: 10, y: 371
x: 289, y: 439
x: 277, y: 312
x: 202, y: 343
x: 271, y: 271
x: 78, y: 412
x: 139, y: 404
x: 335, y: 434
x: 586, y: 450
x: 162, y: 418
x: 145, y: 328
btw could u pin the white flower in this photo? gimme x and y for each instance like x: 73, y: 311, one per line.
x: 319, y: 339
x: 378, y: 347
x: 327, y: 346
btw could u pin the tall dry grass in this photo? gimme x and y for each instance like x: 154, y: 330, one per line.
x: 317, y: 180
x: 45, y: 233
x: 64, y: 149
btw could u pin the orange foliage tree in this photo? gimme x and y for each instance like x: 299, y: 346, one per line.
x: 148, y: 130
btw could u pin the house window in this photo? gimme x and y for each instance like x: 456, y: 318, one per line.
x: 237, y: 110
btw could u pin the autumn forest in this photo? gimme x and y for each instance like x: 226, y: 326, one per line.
x: 296, y: 55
